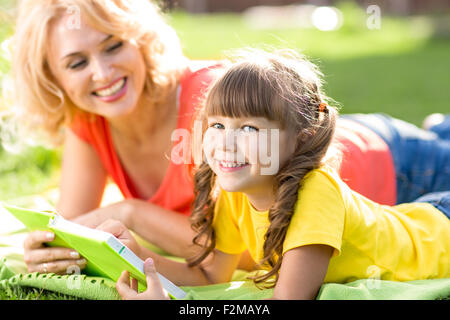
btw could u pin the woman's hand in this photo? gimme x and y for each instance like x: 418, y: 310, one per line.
x: 120, y: 211
x: 121, y: 232
x: 154, y: 290
x: 40, y: 258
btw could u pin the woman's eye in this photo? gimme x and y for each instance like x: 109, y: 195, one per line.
x: 78, y: 64
x: 115, y: 46
x: 217, y: 126
x: 248, y: 128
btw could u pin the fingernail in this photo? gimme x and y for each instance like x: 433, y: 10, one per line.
x: 149, y: 261
x: 50, y: 236
x: 74, y: 254
x: 81, y: 261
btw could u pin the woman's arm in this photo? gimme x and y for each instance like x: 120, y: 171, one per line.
x: 169, y: 230
x: 302, y: 272
x: 83, y: 181
x: 83, y: 178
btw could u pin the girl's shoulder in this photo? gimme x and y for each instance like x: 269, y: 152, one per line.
x: 323, y: 173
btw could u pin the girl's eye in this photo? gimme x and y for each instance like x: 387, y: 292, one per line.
x: 114, y: 47
x: 248, y: 128
x: 217, y: 126
x: 78, y: 64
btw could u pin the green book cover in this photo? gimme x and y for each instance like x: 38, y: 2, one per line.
x: 106, y: 256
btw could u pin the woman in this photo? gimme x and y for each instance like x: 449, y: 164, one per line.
x: 113, y: 75
x: 122, y: 99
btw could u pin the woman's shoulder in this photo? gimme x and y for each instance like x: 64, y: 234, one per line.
x: 84, y: 124
x: 201, y: 72
x: 194, y: 84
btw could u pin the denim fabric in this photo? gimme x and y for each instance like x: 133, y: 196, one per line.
x: 443, y: 129
x: 441, y: 200
x: 421, y: 158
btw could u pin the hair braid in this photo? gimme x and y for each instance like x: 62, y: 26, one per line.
x: 202, y: 212
x: 308, y: 156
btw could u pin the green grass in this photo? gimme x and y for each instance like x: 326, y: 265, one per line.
x: 32, y: 171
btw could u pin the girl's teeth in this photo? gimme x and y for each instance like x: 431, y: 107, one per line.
x: 111, y: 91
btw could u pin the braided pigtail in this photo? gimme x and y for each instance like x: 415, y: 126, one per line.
x: 311, y: 149
x: 203, y: 212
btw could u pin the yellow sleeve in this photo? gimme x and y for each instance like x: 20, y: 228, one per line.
x: 228, y: 236
x: 319, y: 214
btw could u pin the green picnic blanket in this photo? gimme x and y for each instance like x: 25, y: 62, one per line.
x: 13, y: 275
x: 96, y: 288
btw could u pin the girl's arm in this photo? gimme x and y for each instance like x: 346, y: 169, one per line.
x: 217, y: 268
x: 302, y: 272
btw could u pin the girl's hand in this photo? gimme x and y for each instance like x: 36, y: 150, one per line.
x: 154, y: 290
x: 121, y: 232
x: 118, y: 211
x: 40, y: 258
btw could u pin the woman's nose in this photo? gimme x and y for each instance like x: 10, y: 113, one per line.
x: 101, y: 71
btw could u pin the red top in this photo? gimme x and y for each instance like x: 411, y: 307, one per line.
x: 367, y: 165
x: 176, y: 190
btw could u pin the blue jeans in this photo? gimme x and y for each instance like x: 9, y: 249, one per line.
x: 440, y: 200
x: 421, y: 158
x: 443, y: 129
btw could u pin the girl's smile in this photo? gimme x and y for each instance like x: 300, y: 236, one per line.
x: 235, y: 149
x: 229, y: 166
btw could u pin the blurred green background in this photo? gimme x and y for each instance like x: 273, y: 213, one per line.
x: 401, y: 69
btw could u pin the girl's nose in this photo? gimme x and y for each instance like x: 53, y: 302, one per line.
x: 229, y: 140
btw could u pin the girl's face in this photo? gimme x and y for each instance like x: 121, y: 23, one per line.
x: 246, y: 153
x: 100, y: 73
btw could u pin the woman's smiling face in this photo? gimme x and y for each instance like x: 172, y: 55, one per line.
x: 100, y: 73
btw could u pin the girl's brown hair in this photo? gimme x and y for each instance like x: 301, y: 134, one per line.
x: 47, y: 106
x: 282, y: 86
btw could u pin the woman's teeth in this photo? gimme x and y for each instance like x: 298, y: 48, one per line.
x: 111, y: 90
x: 232, y: 164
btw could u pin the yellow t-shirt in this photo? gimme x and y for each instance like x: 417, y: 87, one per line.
x: 404, y: 242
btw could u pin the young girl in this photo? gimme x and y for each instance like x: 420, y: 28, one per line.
x: 302, y: 224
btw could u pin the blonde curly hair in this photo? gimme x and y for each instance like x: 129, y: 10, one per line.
x: 46, y: 104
